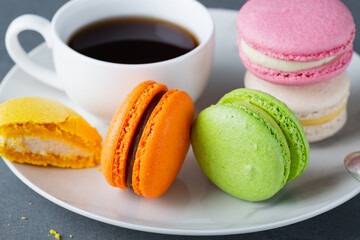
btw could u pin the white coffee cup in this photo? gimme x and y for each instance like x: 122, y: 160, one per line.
x: 100, y: 87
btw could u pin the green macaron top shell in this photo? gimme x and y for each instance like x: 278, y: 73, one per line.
x: 284, y: 117
x: 242, y: 150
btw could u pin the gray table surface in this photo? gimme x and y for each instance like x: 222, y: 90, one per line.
x: 342, y: 222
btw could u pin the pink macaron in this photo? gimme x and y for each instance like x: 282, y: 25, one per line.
x: 295, y: 42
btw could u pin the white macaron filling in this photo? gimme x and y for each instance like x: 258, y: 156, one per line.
x: 278, y: 64
x: 42, y: 146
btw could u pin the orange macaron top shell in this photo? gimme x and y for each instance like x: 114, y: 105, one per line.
x: 121, y: 131
x: 163, y: 141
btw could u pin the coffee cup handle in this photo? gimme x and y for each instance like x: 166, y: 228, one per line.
x: 21, y: 58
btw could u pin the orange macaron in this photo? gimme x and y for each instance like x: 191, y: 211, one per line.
x: 148, y: 139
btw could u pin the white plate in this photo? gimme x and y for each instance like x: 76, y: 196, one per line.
x: 193, y: 205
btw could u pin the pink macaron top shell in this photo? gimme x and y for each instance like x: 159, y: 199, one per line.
x: 297, y: 30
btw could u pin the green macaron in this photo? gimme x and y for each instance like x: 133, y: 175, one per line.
x: 249, y: 144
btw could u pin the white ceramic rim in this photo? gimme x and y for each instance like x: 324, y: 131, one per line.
x: 177, y: 231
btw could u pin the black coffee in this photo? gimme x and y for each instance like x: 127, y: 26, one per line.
x: 132, y: 40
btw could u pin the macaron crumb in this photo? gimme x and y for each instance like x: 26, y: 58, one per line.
x: 24, y: 218
x: 57, y: 235
x: 30, y: 203
x: 99, y: 169
x: 71, y: 236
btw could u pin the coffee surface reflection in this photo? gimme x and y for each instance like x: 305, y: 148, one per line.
x: 132, y: 40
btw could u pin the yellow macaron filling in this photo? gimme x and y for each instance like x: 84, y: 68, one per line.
x: 323, y: 119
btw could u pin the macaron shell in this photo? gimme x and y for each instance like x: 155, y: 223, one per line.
x: 304, y: 77
x: 164, y: 144
x: 240, y: 151
x: 285, y: 118
x: 43, y: 111
x: 305, y: 30
x: 122, y: 129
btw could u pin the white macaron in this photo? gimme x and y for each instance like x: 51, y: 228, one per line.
x: 321, y: 107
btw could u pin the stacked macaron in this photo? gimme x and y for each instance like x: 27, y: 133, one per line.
x: 298, y: 51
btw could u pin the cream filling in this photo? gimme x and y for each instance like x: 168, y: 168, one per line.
x: 323, y: 119
x: 42, y: 146
x: 278, y: 64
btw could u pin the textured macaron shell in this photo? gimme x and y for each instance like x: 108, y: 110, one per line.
x: 164, y: 144
x: 43, y: 111
x: 297, y: 30
x: 285, y: 118
x: 241, y: 151
x: 121, y: 131
x: 310, y: 101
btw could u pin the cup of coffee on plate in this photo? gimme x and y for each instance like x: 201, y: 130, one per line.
x: 103, y: 49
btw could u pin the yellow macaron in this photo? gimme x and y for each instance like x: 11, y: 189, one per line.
x: 43, y: 131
